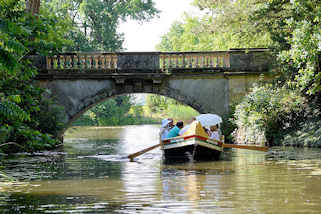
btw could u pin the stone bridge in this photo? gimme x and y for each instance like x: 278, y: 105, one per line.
x: 206, y: 81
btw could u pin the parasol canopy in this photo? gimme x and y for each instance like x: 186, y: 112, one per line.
x: 209, y: 119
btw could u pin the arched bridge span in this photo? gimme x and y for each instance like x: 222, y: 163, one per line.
x: 206, y: 81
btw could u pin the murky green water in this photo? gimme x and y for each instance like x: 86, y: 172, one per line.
x: 91, y: 174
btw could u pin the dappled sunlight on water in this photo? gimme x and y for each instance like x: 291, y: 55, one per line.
x: 91, y: 174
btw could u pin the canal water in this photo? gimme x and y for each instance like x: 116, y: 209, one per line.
x: 91, y: 174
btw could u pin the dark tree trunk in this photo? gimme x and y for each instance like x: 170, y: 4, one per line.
x: 33, y: 6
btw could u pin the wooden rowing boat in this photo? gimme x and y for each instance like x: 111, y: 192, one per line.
x: 194, y: 144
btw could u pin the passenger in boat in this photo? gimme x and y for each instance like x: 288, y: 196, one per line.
x: 214, y: 133
x: 174, y: 132
x: 183, y: 130
x: 208, y: 132
x: 171, y: 123
x: 165, y: 128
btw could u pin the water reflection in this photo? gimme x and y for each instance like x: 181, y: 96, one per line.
x: 92, y: 175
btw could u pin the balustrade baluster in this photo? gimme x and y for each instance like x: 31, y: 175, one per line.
x: 87, y: 59
x: 64, y: 63
x: 169, y: 61
x: 95, y: 61
x: 51, y: 62
x: 223, y: 62
x: 99, y: 62
x: 210, y: 61
x: 103, y: 62
x: 107, y: 61
x: 78, y: 62
x: 69, y: 61
x: 111, y: 62
x: 57, y: 63
x: 176, y: 56
x: 227, y: 60
x: 206, y: 61
x: 81, y: 61
x: 72, y: 63
x: 202, y: 61
x: 183, y: 60
x: 92, y: 63
x: 161, y: 60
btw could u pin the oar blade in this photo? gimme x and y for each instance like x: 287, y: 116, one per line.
x: 136, y: 154
x: 238, y: 146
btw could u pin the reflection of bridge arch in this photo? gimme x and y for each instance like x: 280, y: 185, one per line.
x: 206, y: 81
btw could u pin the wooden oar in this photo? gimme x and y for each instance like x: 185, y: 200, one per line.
x: 238, y: 146
x: 132, y: 156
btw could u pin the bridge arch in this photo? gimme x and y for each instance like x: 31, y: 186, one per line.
x: 78, y: 96
x: 206, y: 81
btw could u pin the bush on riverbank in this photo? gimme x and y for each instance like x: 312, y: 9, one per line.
x: 267, y: 112
x: 308, y: 134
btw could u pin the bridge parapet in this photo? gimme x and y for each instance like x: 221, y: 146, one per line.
x: 154, y: 62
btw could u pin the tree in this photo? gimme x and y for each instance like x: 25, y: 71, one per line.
x: 94, y: 23
x: 224, y: 24
x: 32, y: 6
x: 22, y: 34
x: 295, y: 29
x: 112, y: 111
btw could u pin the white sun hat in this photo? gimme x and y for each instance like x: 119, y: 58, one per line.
x: 165, y: 122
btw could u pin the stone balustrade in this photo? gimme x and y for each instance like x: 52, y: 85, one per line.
x: 151, y: 62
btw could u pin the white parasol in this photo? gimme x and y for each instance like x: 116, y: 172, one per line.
x: 209, y: 119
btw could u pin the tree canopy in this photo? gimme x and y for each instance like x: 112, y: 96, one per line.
x: 93, y: 24
x: 223, y: 25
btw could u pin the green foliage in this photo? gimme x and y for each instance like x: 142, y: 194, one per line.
x: 266, y: 112
x: 309, y: 134
x: 93, y: 24
x: 223, y: 25
x: 138, y: 111
x: 21, y: 35
x: 295, y: 30
x: 11, y: 111
x: 111, y: 112
x: 157, y: 103
x: 180, y: 112
x: 50, y: 117
x: 166, y: 107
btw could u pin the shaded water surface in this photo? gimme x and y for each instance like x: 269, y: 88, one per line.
x: 91, y: 174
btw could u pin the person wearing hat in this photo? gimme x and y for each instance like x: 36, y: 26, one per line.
x: 165, y: 128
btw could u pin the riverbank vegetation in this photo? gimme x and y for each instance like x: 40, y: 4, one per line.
x: 287, y: 110
x: 23, y: 34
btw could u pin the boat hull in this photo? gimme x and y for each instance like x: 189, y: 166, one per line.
x: 191, y: 148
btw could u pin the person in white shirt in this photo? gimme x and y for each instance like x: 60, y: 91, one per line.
x: 165, y: 128
x: 215, y: 135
